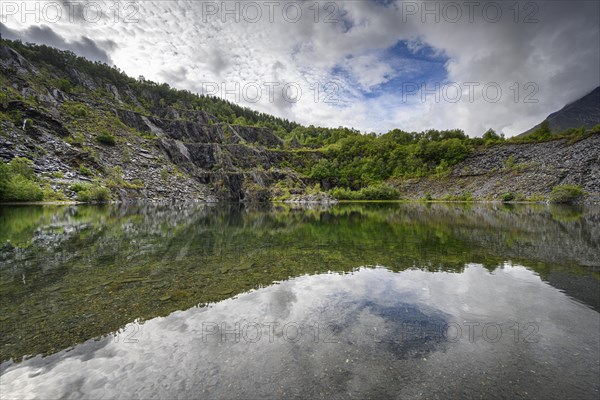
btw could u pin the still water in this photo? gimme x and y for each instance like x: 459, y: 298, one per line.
x: 348, y: 301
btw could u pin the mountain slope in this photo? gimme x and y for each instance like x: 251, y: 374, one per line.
x: 527, y: 170
x: 583, y: 112
x: 89, y: 128
x: 80, y: 126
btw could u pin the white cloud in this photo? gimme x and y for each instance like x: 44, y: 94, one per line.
x: 181, y: 42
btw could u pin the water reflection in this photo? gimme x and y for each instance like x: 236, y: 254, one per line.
x: 70, y: 274
x: 372, y: 333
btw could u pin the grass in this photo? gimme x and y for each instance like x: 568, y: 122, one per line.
x: 115, y: 179
x: 462, y: 197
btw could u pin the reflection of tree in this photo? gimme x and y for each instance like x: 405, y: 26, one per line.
x: 90, y: 270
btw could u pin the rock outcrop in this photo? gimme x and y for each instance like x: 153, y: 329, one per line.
x: 172, y: 154
x: 527, y: 169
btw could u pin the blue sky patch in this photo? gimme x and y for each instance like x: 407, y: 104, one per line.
x: 416, y: 64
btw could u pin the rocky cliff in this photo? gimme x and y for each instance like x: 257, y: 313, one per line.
x: 169, y: 154
x: 528, y: 170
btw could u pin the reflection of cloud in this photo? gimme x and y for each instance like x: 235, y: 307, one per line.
x: 179, y: 356
x: 281, y: 303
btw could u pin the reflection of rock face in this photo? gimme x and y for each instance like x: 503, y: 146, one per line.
x: 529, y: 233
x: 68, y: 268
x: 61, y: 236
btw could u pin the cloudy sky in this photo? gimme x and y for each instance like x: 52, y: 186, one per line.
x: 372, y: 65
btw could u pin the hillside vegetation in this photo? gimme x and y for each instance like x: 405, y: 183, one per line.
x: 87, y: 131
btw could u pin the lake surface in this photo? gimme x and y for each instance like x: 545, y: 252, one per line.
x: 374, y: 300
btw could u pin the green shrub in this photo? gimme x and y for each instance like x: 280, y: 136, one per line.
x: 76, y: 110
x: 510, y: 162
x: 490, y: 137
x: 78, y: 187
x: 566, y: 194
x: 63, y: 84
x: 83, y: 170
x: 506, y: 197
x: 93, y: 193
x: 17, y: 181
x: 19, y: 188
x: 375, y: 192
x: 164, y: 174
x: 466, y: 196
x: 52, y: 195
x: 21, y: 166
x: 106, y: 138
x: 344, y: 194
x: 380, y: 192
x: 537, y: 198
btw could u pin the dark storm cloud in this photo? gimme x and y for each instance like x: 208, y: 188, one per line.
x: 86, y: 47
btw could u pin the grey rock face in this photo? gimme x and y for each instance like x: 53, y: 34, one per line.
x: 529, y: 169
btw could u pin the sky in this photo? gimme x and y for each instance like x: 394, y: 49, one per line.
x: 372, y: 65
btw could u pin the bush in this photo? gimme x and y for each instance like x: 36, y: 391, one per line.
x: 344, y: 194
x: 17, y: 181
x: 510, y: 162
x: 78, y: 187
x: 380, y: 192
x: 63, y: 84
x: 536, y: 198
x: 566, y: 194
x: 375, y: 192
x: 92, y: 194
x: 83, y: 170
x: 19, y: 188
x: 106, y: 138
x: 506, y: 197
x: 463, y: 197
x: 76, y: 110
x: 466, y: 196
x: 21, y: 166
x: 52, y: 195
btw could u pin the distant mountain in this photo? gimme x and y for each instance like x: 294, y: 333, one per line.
x: 582, y: 112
